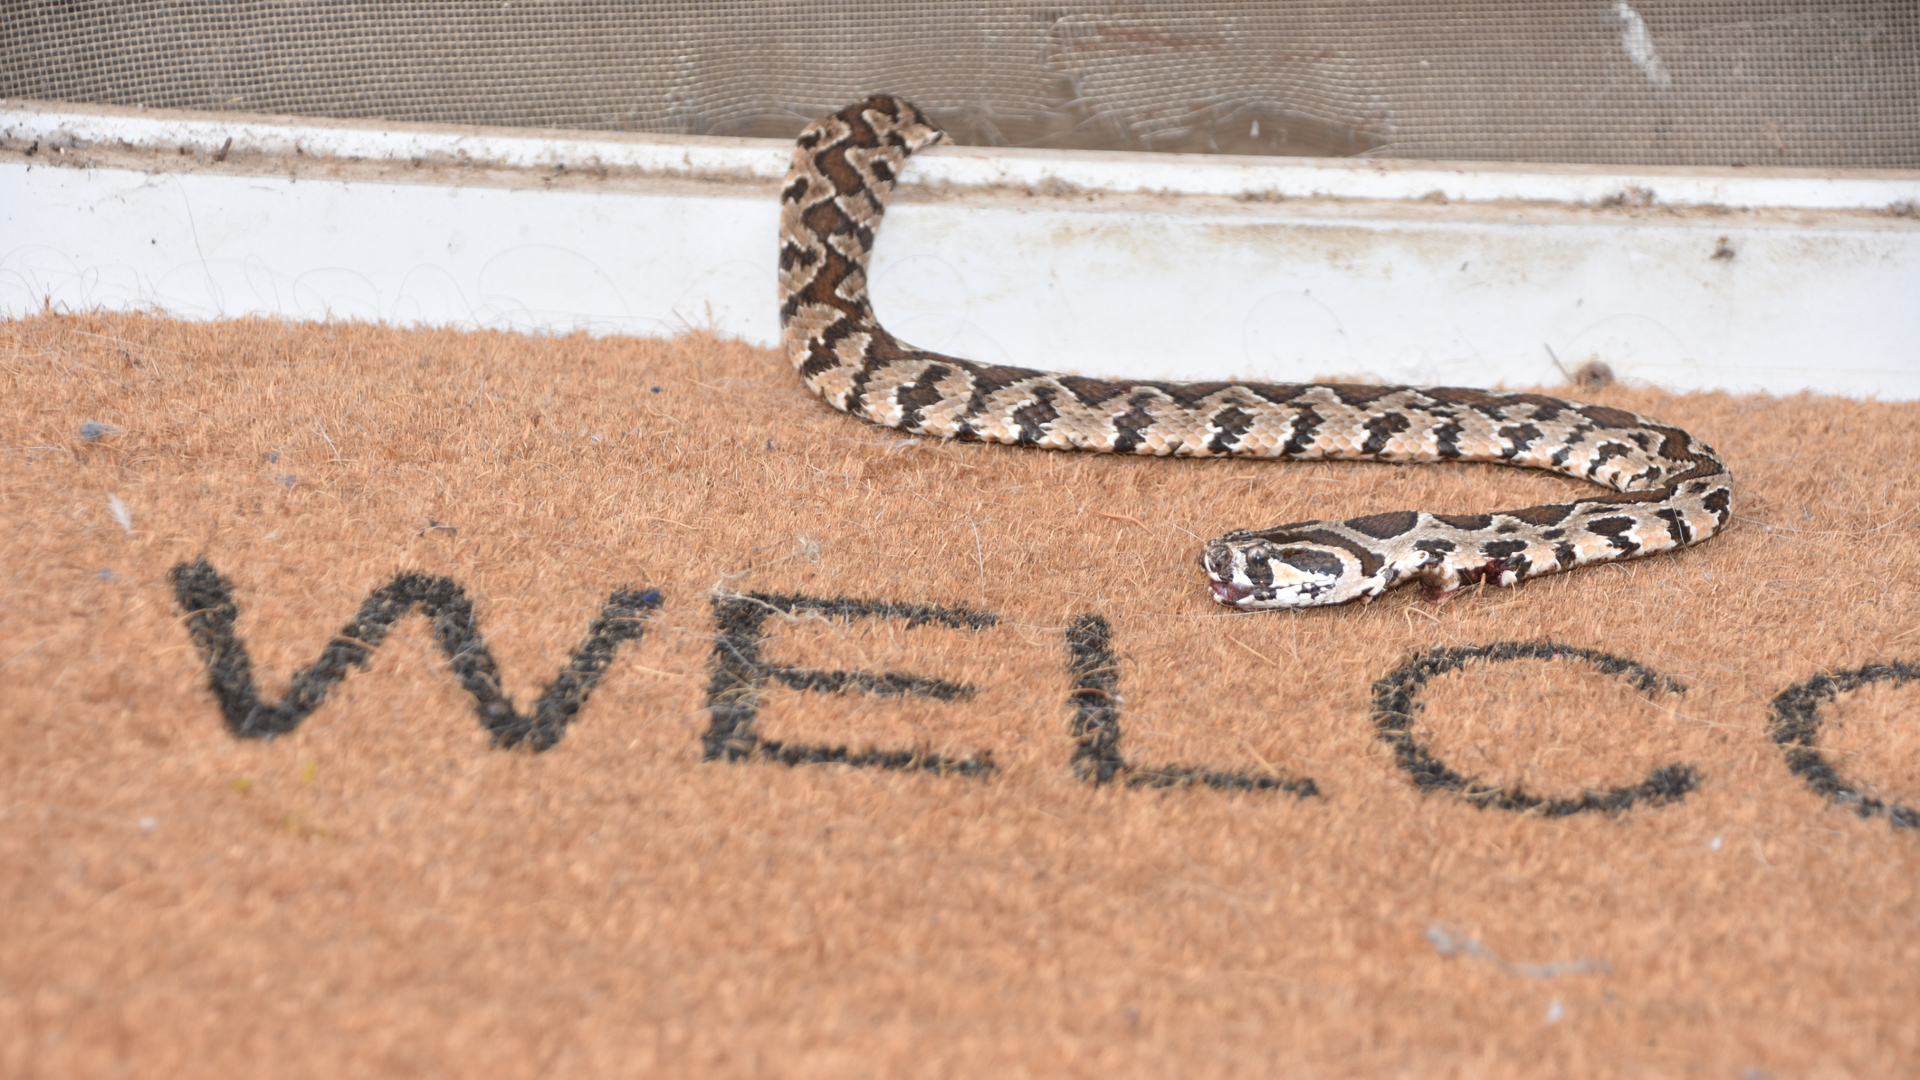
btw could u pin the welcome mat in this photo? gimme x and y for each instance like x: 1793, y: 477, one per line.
x: 414, y: 703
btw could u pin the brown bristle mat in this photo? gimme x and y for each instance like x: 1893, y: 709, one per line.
x: 648, y: 717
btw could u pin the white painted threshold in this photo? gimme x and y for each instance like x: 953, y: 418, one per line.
x: 1117, y: 264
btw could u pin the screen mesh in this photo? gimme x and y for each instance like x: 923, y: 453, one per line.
x: 1653, y: 82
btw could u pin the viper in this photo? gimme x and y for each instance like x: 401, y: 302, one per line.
x: 1664, y: 489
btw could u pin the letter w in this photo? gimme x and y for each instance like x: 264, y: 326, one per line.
x: 207, y: 600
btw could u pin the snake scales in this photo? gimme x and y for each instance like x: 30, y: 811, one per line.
x: 1667, y: 488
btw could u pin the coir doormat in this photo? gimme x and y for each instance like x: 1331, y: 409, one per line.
x: 412, y: 703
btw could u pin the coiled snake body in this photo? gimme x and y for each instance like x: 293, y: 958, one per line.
x: 1668, y: 488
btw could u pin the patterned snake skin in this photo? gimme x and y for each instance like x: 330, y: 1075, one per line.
x: 1668, y: 488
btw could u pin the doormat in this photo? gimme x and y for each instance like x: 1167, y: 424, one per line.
x: 389, y: 703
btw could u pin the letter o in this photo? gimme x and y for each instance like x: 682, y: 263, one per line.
x: 1794, y: 723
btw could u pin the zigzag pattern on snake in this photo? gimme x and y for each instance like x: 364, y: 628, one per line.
x: 1668, y: 489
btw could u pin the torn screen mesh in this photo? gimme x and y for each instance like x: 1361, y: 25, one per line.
x: 1761, y: 82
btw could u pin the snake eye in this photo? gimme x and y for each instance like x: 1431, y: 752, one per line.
x: 1258, y: 556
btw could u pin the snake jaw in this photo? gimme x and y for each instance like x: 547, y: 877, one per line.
x: 1226, y: 592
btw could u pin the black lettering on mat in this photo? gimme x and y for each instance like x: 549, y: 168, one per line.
x: 739, y: 675
x: 1395, y: 705
x: 1794, y: 723
x: 206, y: 598
x: 1096, y: 725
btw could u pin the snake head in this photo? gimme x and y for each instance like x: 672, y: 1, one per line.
x: 1286, y: 567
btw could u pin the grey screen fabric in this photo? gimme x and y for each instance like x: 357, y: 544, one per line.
x: 1651, y: 82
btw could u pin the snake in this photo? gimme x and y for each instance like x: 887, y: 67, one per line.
x: 1663, y: 488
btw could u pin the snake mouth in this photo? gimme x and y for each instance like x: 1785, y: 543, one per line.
x: 1227, y: 592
